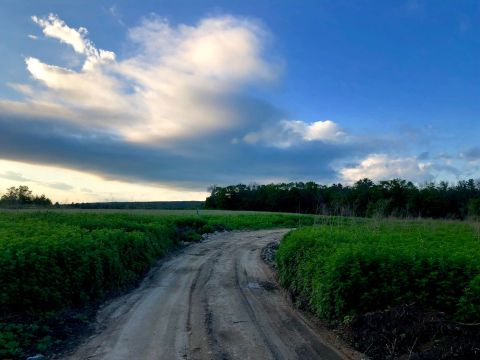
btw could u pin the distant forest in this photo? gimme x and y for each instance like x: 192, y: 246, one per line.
x: 147, y: 205
x: 399, y: 198
x: 23, y: 197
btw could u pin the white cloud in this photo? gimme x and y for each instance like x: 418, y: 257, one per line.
x: 317, y: 131
x: 221, y: 49
x: 52, y: 26
x: 183, y: 74
x: 90, y: 91
x: 384, y: 167
x: 289, y: 133
x: 175, y: 84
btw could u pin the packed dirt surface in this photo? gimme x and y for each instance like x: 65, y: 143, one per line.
x: 215, y: 300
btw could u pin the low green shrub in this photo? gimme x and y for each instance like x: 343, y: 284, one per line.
x: 54, y: 261
x: 354, y: 268
x: 469, y: 304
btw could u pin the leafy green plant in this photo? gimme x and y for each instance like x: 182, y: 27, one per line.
x: 54, y: 261
x: 357, y: 267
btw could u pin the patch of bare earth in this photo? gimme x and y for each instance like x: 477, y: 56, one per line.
x: 215, y: 300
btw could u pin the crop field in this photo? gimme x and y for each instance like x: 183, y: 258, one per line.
x: 342, y: 267
x: 351, y: 266
x: 54, y: 262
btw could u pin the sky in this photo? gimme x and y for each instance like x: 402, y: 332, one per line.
x: 159, y: 100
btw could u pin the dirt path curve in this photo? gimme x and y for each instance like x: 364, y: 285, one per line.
x: 215, y: 300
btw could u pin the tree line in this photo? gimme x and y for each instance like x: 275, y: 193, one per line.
x: 22, y: 196
x: 397, y: 197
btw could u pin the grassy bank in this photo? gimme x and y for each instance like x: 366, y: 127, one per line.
x: 348, y: 267
x: 55, y: 263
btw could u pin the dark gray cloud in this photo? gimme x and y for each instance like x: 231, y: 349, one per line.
x: 192, y: 163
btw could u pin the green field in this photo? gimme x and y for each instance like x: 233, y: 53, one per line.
x: 53, y: 263
x: 344, y: 267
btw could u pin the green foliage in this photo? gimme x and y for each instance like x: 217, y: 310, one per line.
x: 474, y: 207
x: 57, y: 261
x: 470, y: 302
x: 359, y: 266
x: 398, y: 198
x: 23, y: 196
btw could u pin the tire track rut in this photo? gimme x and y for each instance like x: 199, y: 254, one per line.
x: 251, y: 313
x: 214, y: 300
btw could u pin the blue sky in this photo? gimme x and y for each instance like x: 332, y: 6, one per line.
x: 192, y: 93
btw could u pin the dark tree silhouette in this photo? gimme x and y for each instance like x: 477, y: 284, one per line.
x: 23, y: 196
x: 396, y: 197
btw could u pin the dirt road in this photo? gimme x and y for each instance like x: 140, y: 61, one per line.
x: 215, y: 300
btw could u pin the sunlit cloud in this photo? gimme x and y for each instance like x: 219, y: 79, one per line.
x: 52, y: 26
x: 384, y: 167
x: 178, y: 108
x: 287, y: 133
x: 174, y: 85
x: 170, y: 111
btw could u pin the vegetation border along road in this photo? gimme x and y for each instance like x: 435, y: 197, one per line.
x: 348, y: 267
x: 54, y: 263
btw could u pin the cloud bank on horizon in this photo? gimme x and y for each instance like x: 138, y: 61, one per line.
x: 180, y: 110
